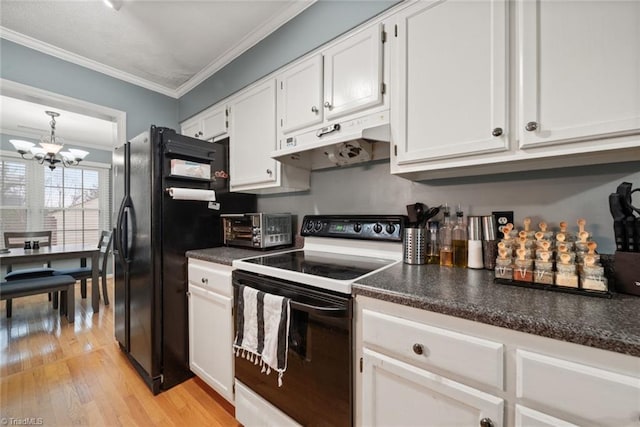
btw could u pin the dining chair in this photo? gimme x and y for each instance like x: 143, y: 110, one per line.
x: 84, y: 273
x: 16, y: 239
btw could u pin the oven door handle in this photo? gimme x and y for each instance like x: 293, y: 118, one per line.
x: 322, y: 311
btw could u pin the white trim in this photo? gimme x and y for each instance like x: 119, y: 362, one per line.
x: 245, y: 44
x: 21, y: 91
x: 73, y: 58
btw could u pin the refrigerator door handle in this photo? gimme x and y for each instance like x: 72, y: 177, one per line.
x: 123, y: 231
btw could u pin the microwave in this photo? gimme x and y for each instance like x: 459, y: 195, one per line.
x: 257, y: 230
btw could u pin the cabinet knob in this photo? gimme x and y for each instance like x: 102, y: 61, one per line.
x: 204, y: 280
x: 418, y: 348
x: 269, y: 172
x: 314, y: 109
x: 531, y: 126
x: 497, y: 132
x: 328, y: 105
x: 486, y: 422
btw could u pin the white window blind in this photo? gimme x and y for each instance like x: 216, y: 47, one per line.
x: 74, y: 203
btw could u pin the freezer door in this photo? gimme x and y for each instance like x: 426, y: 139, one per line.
x: 121, y: 298
x: 142, y: 281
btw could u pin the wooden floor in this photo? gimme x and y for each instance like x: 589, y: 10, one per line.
x: 54, y: 373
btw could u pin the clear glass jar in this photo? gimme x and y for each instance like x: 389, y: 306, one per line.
x: 523, y: 270
x: 593, y: 277
x: 504, y: 268
x: 567, y: 279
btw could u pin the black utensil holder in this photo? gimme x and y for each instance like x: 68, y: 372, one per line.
x: 627, y: 272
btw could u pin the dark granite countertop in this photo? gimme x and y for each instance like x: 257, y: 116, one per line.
x: 609, y: 324
x: 225, y: 254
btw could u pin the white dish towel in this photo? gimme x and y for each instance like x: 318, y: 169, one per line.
x: 262, y: 330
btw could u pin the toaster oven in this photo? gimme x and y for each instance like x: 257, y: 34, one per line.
x: 257, y: 230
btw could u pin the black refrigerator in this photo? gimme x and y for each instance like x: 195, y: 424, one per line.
x: 153, y: 231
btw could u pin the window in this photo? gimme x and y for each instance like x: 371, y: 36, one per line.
x: 71, y: 202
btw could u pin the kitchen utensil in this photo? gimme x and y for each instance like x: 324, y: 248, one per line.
x: 412, y: 214
x: 415, y: 245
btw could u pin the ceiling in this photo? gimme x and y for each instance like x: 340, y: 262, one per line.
x: 168, y: 46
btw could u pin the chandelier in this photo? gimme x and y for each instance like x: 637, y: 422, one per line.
x: 49, y: 149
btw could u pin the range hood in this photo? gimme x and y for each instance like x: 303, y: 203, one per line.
x: 338, y: 144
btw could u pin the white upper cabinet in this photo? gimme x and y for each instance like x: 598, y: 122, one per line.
x: 252, y: 132
x: 353, y: 73
x: 253, y: 136
x: 450, y: 76
x: 300, y: 95
x: 207, y: 125
x: 580, y: 75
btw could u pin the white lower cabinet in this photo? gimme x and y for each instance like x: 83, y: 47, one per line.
x: 408, y: 373
x: 400, y: 394
x: 211, y: 325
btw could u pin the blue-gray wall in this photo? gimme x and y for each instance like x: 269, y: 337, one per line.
x: 316, y: 25
x: 33, y: 68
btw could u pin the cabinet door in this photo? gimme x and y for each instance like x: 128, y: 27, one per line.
x: 210, y: 339
x: 353, y: 73
x: 451, y: 80
x: 300, y: 95
x: 192, y: 129
x: 396, y: 393
x: 253, y: 136
x: 580, y: 70
x: 214, y: 123
x: 526, y: 417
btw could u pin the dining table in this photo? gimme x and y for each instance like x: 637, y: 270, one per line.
x: 13, y: 256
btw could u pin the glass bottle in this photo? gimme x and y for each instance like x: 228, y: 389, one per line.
x: 459, y: 240
x: 446, y: 244
x: 433, y: 245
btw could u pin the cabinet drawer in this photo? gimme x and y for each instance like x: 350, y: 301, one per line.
x: 213, y: 277
x: 477, y: 359
x: 590, y: 394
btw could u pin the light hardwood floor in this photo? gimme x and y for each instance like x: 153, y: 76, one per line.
x: 58, y: 374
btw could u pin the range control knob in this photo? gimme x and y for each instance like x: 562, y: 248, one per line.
x: 377, y: 228
x: 308, y: 226
x: 317, y: 226
x: 357, y: 227
x: 391, y: 228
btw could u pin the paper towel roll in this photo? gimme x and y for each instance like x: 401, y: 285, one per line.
x: 192, y: 194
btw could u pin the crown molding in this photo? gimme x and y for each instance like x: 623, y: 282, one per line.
x: 245, y: 44
x: 65, y: 55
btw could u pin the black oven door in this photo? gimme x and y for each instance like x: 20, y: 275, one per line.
x: 317, y: 385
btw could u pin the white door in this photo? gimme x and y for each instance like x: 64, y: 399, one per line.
x: 451, y: 79
x: 211, y: 339
x: 252, y: 133
x: 214, y: 123
x: 580, y: 74
x: 395, y: 393
x: 192, y: 129
x: 353, y: 73
x: 300, y: 95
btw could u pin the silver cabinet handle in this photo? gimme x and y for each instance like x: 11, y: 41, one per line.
x: 497, y: 132
x: 486, y: 422
x: 531, y: 126
x: 314, y: 109
x: 328, y: 105
x: 269, y: 172
x: 418, y: 348
x: 204, y: 280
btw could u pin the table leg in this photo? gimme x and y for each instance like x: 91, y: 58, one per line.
x: 83, y: 282
x: 95, y: 289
